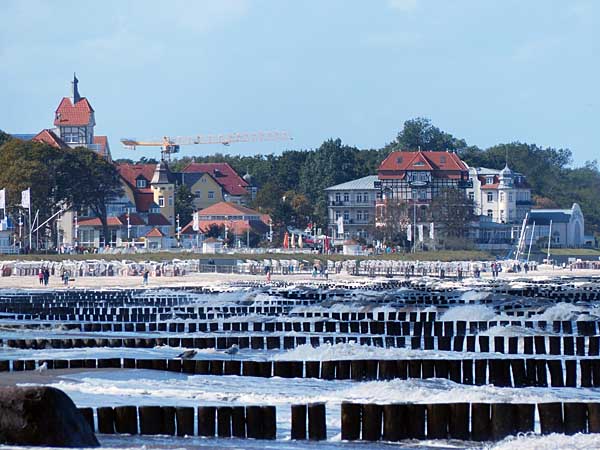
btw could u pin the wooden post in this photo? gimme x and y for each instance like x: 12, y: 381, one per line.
x: 438, y: 418
x: 371, y: 422
x: 394, y: 422
x: 126, y: 420
x: 502, y: 419
x: 556, y: 372
x: 168, y: 415
x: 299, y: 422
x: 269, y: 418
x: 206, y: 421
x: 480, y: 422
x: 458, y: 428
x: 224, y: 421
x: 317, y: 427
x: 88, y: 415
x: 184, y: 416
x: 524, y: 417
x: 254, y: 422
x: 593, y: 410
x: 575, y: 418
x: 351, y: 420
x: 238, y: 422
x: 106, y: 420
x: 151, y: 420
x: 551, y: 417
x: 416, y: 421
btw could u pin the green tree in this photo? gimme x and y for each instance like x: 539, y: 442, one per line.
x: 184, y: 204
x: 452, y: 211
x: 93, y: 183
x: 419, y: 133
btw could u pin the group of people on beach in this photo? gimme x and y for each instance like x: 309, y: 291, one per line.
x: 44, y: 276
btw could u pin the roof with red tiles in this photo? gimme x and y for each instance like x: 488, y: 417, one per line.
x: 234, y: 226
x: 229, y: 209
x: 130, y: 173
x: 79, y: 114
x: 155, y: 232
x: 51, y: 138
x: 441, y: 164
x: 134, y: 219
x: 224, y: 174
x: 157, y: 219
x: 102, y: 141
x: 95, y: 222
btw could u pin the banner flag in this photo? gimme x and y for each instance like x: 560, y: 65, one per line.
x: 431, y: 231
x: 26, y: 198
x: 196, y: 222
x: 2, y: 198
x: 409, y: 233
x: 420, y: 232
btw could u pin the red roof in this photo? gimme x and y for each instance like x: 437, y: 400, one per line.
x: 130, y: 173
x: 95, y: 222
x: 75, y: 115
x: 228, y: 209
x: 155, y: 232
x: 51, y: 138
x: 134, y: 219
x: 423, y: 160
x: 101, y: 141
x: 157, y: 219
x: 233, y: 226
x: 223, y: 174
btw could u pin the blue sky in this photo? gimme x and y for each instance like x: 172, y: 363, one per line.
x: 489, y: 71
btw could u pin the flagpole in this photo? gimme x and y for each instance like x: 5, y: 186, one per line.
x: 29, y: 209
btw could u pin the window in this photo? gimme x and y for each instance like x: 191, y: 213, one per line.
x: 198, y: 193
x: 419, y: 164
x: 170, y: 200
x: 472, y: 196
x: 510, y: 197
x: 399, y: 160
x: 161, y: 201
x: 422, y: 194
x: 490, y: 213
x: 366, y: 216
x: 359, y: 198
x: 366, y: 197
x: 346, y: 197
x: 346, y: 215
x: 140, y: 183
x: 490, y: 196
x: 359, y: 215
x: 338, y: 197
x: 337, y: 215
x: 443, y: 159
x: 211, y: 194
x: 501, y: 196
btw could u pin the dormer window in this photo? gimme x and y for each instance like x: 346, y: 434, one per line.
x: 399, y: 160
x: 489, y: 180
x: 443, y: 159
x: 419, y: 164
x: 141, y: 183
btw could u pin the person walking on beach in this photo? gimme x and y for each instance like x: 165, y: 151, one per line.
x: 46, y: 276
x: 145, y: 276
x: 41, y: 276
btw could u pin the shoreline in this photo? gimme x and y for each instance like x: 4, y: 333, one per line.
x: 220, y: 280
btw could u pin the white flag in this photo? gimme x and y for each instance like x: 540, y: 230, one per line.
x: 431, y: 231
x: 196, y: 222
x: 421, y: 233
x: 26, y: 198
x: 409, y: 233
x: 2, y: 198
x: 340, y: 225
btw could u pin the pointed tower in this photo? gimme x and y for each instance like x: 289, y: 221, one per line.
x: 75, y: 97
x: 163, y: 188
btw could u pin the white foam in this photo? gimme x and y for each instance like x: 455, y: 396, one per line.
x: 549, y: 442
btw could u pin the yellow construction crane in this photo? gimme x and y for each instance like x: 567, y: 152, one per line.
x: 170, y: 145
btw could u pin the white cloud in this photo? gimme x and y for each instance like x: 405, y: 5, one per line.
x: 403, y: 5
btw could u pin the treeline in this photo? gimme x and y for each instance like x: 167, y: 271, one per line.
x: 300, y: 176
x: 59, y: 179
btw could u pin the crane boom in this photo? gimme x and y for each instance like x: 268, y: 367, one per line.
x: 171, y: 145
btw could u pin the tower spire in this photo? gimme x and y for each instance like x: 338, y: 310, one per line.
x: 74, y: 90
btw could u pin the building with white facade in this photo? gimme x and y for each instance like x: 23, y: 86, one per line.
x: 353, y: 203
x: 502, y: 195
x: 566, y: 230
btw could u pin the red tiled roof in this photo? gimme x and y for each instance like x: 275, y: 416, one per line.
x: 423, y: 160
x: 134, y: 219
x: 102, y: 141
x: 234, y: 226
x: 229, y: 209
x: 75, y: 115
x: 155, y: 232
x: 156, y: 219
x: 144, y: 197
x: 95, y: 222
x: 51, y: 138
x: 223, y: 174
